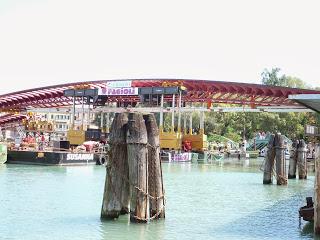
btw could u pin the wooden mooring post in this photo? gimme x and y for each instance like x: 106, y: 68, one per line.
x: 293, y: 161
x: 280, y: 160
x: 116, y: 191
x: 317, y: 191
x: 269, y: 162
x: 137, y: 140
x: 155, y: 183
x: 275, y: 153
x: 134, y: 182
x: 302, y: 159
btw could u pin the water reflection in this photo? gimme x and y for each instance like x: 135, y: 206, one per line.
x: 177, y: 167
x: 119, y: 228
x: 307, y: 230
x: 220, y: 200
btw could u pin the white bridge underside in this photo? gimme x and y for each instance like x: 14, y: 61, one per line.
x: 170, y: 109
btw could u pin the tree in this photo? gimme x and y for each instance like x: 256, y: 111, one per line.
x: 294, y: 82
x: 272, y: 78
x: 290, y: 124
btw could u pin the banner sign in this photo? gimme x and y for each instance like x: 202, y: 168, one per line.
x: 118, y: 91
x: 79, y: 156
x: 119, y: 84
x: 181, y: 157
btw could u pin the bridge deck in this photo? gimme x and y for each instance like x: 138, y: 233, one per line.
x: 254, y: 96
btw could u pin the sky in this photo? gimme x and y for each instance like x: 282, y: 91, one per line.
x: 47, y: 42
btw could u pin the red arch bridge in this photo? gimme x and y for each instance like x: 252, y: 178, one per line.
x: 217, y: 95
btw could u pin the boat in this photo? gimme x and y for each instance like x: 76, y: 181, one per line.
x: 263, y: 153
x: 82, y: 155
x: 3, y: 153
x: 52, y: 158
x: 217, y: 156
x: 181, y: 157
x: 252, y: 154
x: 307, y: 212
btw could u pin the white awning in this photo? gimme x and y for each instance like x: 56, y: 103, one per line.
x: 311, y: 101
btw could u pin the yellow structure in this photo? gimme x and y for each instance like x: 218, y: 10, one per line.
x: 199, y: 142
x: 170, y: 140
x: 44, y: 126
x: 173, y: 140
x: 76, y: 137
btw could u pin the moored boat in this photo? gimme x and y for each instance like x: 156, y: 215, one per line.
x: 52, y: 157
x: 217, y: 156
x: 181, y: 157
x: 307, y: 212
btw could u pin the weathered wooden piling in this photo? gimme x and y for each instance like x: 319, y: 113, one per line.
x: 155, y: 183
x: 293, y: 160
x: 126, y: 186
x: 280, y: 160
x: 126, y: 189
x: 317, y: 191
x: 116, y: 191
x: 269, y: 162
x: 302, y: 159
x: 138, y: 169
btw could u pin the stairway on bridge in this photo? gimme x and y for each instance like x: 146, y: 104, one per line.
x: 259, y: 144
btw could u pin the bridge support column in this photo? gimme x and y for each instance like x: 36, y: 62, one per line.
x: 190, y: 121
x: 89, y: 113
x: 201, y: 130
x: 101, y: 121
x: 108, y: 122
x: 185, y: 123
x: 317, y: 192
x: 179, y: 113
x: 73, y: 115
x: 82, y: 114
x: 172, y: 116
x: 161, y: 114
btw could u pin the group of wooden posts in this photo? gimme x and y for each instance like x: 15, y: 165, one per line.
x: 276, y: 156
x: 134, y: 181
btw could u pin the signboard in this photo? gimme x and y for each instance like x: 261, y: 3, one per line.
x: 80, y: 93
x: 79, y: 156
x: 159, y: 90
x: 310, y: 130
x: 118, y: 91
x: 181, y: 157
x: 119, y: 84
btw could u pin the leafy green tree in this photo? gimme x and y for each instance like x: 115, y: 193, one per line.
x: 272, y: 78
x: 294, y: 82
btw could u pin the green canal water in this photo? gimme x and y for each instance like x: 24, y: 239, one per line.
x: 208, y: 201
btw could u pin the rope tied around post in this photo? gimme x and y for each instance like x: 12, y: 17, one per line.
x: 144, y: 175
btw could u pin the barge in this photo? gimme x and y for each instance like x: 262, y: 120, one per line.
x: 54, y: 158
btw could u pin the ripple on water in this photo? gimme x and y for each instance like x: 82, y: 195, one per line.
x: 219, y: 201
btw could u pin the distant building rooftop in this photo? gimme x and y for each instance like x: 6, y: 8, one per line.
x: 311, y: 101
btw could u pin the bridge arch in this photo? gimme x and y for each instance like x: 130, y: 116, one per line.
x: 197, y: 91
